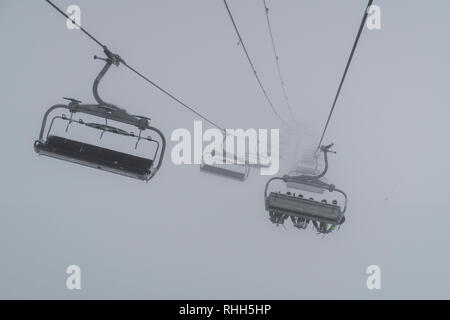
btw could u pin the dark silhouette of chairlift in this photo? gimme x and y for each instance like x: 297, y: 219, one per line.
x: 95, y: 156
x: 325, y: 216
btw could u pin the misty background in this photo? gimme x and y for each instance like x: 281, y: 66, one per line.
x: 190, y: 235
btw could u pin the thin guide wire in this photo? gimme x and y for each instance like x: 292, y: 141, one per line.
x: 277, y: 62
x: 241, y: 42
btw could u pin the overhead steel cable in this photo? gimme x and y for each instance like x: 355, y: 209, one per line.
x: 355, y: 44
x: 137, y: 72
x: 173, y: 97
x: 241, y: 42
x: 277, y: 62
x: 75, y: 23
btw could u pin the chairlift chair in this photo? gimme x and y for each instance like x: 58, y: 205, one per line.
x: 308, y: 166
x: 233, y: 170
x: 234, y: 167
x: 299, y: 206
x: 96, y: 156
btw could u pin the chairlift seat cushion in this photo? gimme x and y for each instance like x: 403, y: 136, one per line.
x: 304, y: 208
x: 96, y: 157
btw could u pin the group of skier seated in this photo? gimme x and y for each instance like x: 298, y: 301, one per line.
x: 302, y: 223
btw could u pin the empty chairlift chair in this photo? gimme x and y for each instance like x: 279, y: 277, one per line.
x: 309, y: 166
x: 231, y: 166
x: 142, y: 168
x: 225, y: 169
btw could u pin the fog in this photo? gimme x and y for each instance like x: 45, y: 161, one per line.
x: 190, y: 235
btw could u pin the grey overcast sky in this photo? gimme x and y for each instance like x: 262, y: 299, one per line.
x: 190, y: 235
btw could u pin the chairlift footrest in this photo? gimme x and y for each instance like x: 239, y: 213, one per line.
x: 304, y: 208
x: 95, y: 157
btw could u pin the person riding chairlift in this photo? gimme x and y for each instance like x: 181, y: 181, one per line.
x: 277, y: 218
x: 300, y: 223
x: 325, y: 228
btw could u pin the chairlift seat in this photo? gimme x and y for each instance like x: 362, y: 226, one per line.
x: 304, y: 208
x: 95, y: 157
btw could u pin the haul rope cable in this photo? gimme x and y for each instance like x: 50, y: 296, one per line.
x: 137, y: 72
x: 277, y: 62
x: 241, y: 41
x: 361, y: 27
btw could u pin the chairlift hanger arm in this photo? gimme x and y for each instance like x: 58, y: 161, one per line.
x: 111, y: 60
x: 314, y: 178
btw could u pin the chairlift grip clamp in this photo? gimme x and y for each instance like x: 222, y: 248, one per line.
x: 326, y: 149
x: 112, y: 58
